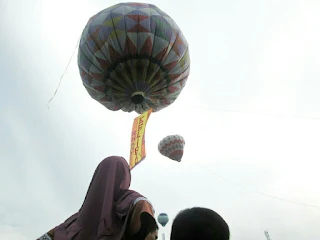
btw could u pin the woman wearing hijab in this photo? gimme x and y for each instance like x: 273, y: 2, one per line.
x: 110, y: 210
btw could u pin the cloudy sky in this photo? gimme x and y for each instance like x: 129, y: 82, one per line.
x: 250, y: 115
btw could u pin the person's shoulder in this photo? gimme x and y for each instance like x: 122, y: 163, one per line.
x: 143, y: 203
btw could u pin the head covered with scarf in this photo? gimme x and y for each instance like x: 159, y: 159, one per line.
x: 104, y: 212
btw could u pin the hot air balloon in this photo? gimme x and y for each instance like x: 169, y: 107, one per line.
x: 133, y: 57
x: 163, y: 219
x: 172, y: 147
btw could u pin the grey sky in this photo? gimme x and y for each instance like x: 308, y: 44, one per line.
x: 259, y: 59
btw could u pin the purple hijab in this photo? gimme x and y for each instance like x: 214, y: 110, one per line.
x: 104, y: 213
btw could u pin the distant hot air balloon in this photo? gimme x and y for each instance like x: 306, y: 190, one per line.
x: 172, y: 147
x: 133, y: 57
x: 163, y: 219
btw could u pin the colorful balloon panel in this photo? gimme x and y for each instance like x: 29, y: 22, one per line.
x: 133, y: 57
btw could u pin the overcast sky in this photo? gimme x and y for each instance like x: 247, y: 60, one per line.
x: 250, y: 116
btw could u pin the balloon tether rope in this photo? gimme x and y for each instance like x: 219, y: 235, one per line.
x: 74, y: 50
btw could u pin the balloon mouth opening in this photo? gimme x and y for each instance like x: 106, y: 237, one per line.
x: 176, y: 155
x: 137, y: 97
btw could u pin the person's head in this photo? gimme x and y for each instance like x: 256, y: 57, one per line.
x: 199, y: 224
x: 108, y: 200
x: 110, y: 181
x: 113, y: 175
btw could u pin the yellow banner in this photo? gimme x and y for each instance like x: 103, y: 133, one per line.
x: 137, y: 149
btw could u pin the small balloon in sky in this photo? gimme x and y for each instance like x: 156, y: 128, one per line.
x: 163, y: 219
x: 172, y: 147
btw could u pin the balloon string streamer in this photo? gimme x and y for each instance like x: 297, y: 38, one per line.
x: 204, y: 108
x: 74, y: 50
x: 260, y: 193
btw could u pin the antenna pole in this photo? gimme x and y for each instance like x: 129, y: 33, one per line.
x: 267, y: 235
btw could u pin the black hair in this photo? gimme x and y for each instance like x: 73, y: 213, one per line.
x: 199, y: 223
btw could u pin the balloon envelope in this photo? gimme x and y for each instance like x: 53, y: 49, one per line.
x: 133, y: 57
x: 172, y: 147
x: 163, y: 219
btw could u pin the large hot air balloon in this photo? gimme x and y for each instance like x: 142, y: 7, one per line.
x: 163, y: 219
x: 172, y: 147
x: 133, y: 57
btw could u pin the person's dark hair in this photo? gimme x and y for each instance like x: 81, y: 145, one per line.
x: 199, y: 224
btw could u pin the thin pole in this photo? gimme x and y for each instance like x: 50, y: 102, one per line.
x: 163, y: 236
x: 267, y: 235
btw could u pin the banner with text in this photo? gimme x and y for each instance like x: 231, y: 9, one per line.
x: 137, y: 149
